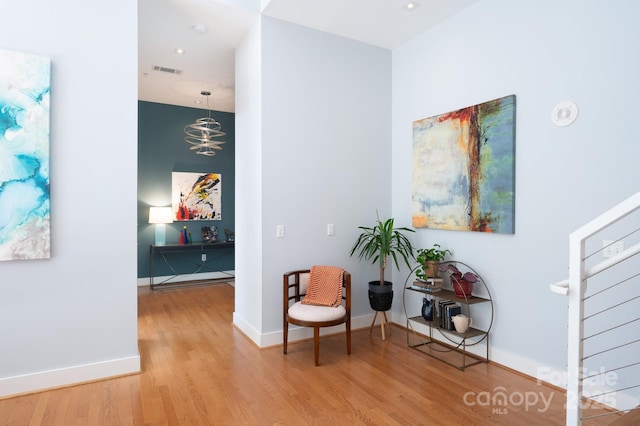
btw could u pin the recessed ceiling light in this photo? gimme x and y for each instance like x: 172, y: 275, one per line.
x: 180, y: 51
x: 199, y: 28
x: 412, y: 5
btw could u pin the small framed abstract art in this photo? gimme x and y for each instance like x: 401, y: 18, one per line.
x: 25, y: 222
x: 196, y: 196
x: 464, y: 168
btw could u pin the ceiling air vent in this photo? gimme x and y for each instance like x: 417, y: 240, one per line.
x: 167, y: 70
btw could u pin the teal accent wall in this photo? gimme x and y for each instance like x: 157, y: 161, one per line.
x: 161, y: 151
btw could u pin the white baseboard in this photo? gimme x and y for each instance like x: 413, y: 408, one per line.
x: 230, y: 275
x: 246, y: 328
x: 32, y: 382
x: 297, y: 333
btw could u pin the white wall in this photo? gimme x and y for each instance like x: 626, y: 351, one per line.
x: 74, y: 317
x: 248, y: 247
x: 544, y: 52
x: 319, y: 134
x: 326, y: 134
x: 325, y: 148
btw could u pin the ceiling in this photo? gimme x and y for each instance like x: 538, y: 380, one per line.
x: 207, y: 62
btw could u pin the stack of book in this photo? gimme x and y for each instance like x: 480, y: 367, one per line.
x: 447, y: 309
x: 430, y: 284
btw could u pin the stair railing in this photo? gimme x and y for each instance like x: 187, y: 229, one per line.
x: 575, y: 288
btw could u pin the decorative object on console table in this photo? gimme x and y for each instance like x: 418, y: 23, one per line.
x: 184, y: 236
x: 230, y: 235
x: 209, y: 234
x: 378, y: 243
x: 160, y: 216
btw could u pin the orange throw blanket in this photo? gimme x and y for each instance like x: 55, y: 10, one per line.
x: 325, y: 286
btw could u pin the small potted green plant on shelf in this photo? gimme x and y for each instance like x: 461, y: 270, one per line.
x: 429, y: 260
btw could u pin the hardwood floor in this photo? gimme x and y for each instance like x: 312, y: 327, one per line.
x: 200, y: 370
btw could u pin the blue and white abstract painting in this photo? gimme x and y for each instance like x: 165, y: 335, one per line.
x: 25, y: 83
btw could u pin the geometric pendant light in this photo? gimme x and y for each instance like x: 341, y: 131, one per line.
x: 201, y: 133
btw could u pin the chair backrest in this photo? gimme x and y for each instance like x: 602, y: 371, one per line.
x: 296, y: 284
x: 304, y: 282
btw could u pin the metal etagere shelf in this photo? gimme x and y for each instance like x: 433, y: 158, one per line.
x: 451, y: 347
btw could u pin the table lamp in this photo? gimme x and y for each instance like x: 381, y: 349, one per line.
x: 160, y: 216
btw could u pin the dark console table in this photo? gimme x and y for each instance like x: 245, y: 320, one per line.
x: 202, y: 248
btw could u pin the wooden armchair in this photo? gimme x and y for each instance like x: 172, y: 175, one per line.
x: 295, y: 312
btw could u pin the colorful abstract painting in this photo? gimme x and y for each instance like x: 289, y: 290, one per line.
x: 24, y: 156
x: 197, y: 196
x: 464, y: 168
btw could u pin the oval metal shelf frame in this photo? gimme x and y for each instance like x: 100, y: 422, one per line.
x: 446, y: 333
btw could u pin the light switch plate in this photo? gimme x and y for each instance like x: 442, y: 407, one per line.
x: 330, y: 229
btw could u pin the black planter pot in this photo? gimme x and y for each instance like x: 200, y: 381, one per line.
x: 380, y: 296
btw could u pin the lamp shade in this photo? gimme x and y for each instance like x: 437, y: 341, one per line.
x: 160, y: 215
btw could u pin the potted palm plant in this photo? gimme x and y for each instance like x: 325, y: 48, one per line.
x: 377, y: 243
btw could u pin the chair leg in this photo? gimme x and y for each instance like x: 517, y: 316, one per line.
x: 285, y: 336
x: 316, y: 344
x: 349, y: 336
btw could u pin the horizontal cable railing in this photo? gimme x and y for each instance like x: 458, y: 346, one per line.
x: 603, y: 364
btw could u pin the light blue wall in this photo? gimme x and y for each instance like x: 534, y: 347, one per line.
x: 69, y: 318
x: 321, y: 156
x: 327, y: 113
x: 544, y: 52
x: 326, y: 150
x: 249, y: 253
x: 328, y: 159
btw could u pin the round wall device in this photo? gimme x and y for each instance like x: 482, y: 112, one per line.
x: 564, y: 113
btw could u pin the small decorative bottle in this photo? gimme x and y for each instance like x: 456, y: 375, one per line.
x: 184, y: 237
